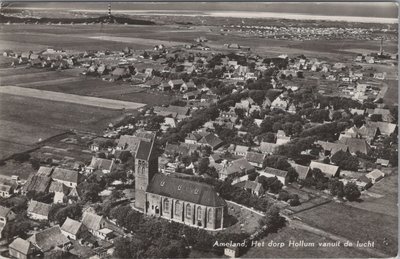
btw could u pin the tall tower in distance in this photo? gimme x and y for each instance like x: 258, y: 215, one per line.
x: 381, y: 47
x: 109, y: 11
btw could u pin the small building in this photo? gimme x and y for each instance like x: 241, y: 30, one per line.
x: 100, y: 164
x: 60, y: 192
x: 382, y: 162
x: 231, y: 251
x: 6, y: 190
x: 375, y: 175
x: 303, y: 172
x: 252, y: 187
x: 49, y: 239
x: 241, y: 150
x: 326, y: 169
x: 21, y: 249
x: 65, y: 176
x: 72, y: 229
x: 38, y: 210
x: 94, y: 223
x: 273, y: 172
x: 211, y: 140
x: 255, y: 159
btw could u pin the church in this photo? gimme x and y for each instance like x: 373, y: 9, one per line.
x: 176, y: 199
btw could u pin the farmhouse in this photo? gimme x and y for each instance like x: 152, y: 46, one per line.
x: 272, y: 172
x: 100, y: 164
x: 38, y: 210
x: 96, y: 225
x: 72, y: 229
x: 49, y: 239
x: 21, y: 249
x: 255, y: 159
x: 60, y: 191
x: 375, y: 175
x: 328, y: 170
x: 65, y: 176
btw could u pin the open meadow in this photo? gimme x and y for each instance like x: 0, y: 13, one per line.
x: 355, y: 225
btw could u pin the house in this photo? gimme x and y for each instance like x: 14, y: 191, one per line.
x: 98, y: 143
x: 72, y: 229
x: 65, y: 176
x: 22, y: 249
x: 279, y: 103
x: 356, y: 145
x: 231, y: 251
x: 37, y: 183
x: 176, y: 84
x: 6, y: 215
x: 96, y: 225
x: 172, y: 111
x: 215, y: 159
x: 164, y: 86
x: 254, y: 188
x: 60, y: 191
x: 131, y: 143
x: 363, y: 182
x: 236, y: 167
x: 119, y: 73
x: 375, y: 175
x: 241, y: 150
x: 193, y: 138
x: 273, y: 172
x: 268, y: 148
x: 330, y: 148
x: 38, y: 210
x: 100, y: 164
x: 255, y: 159
x: 326, y: 169
x: 211, y: 140
x: 382, y: 162
x: 385, y: 128
x: 48, y: 239
x: 303, y: 172
x: 281, y: 140
x: 6, y: 190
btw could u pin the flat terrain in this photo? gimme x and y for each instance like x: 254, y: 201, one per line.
x: 355, y: 225
x: 62, y: 116
x: 381, y: 197
x: 70, y: 98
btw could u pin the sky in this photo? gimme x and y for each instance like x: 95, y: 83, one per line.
x: 364, y: 9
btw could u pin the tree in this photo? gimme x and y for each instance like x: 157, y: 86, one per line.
x: 294, y: 200
x: 283, y: 196
x: 203, y: 165
x: 351, y: 191
x: 21, y: 157
x: 336, y: 187
x: 345, y: 160
x: 272, y: 219
x: 35, y: 163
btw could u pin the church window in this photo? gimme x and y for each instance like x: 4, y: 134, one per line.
x: 188, y: 211
x: 196, y: 191
x: 209, y: 214
x: 162, y: 183
x: 166, y: 205
x: 179, y: 187
x: 178, y: 208
x: 199, y: 216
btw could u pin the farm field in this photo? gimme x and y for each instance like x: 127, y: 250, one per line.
x: 352, y: 223
x: 63, y: 116
x: 70, y: 98
x: 381, y: 197
x: 287, y: 234
x: 28, y: 77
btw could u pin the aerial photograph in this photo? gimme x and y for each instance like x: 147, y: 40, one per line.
x: 198, y: 130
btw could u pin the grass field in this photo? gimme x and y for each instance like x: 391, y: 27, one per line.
x: 392, y: 94
x: 355, y: 224
x: 63, y: 115
x: 70, y: 98
x: 387, y: 188
x: 29, y: 77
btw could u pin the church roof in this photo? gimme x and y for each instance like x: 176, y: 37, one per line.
x: 185, y: 190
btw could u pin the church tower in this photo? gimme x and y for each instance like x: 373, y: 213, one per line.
x: 145, y: 167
